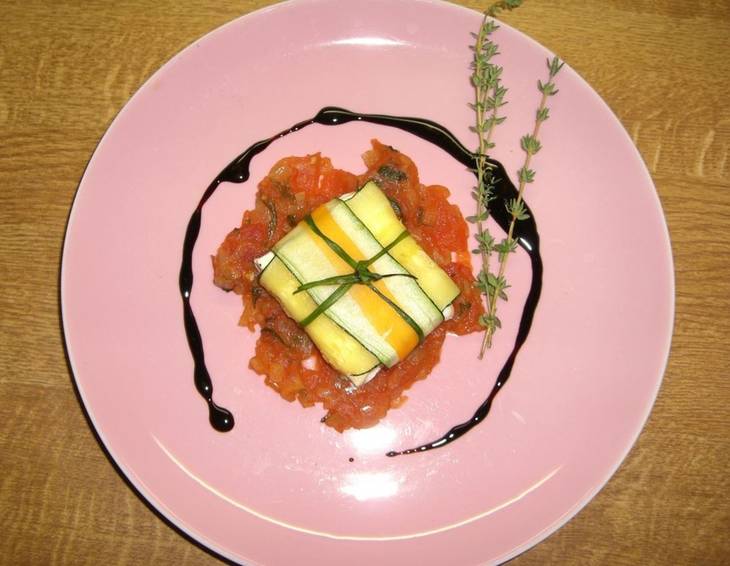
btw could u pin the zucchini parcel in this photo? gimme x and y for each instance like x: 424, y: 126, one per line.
x: 361, y: 286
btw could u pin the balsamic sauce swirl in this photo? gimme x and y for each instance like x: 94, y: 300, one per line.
x: 238, y: 171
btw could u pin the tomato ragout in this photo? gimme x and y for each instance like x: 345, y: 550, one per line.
x: 284, y: 355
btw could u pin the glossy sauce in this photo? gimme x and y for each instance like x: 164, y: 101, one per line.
x: 238, y: 171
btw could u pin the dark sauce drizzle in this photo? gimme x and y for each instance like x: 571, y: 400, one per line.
x: 238, y: 172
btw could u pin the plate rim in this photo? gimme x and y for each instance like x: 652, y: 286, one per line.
x: 201, y: 540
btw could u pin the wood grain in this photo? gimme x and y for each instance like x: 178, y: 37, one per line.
x: 67, y: 68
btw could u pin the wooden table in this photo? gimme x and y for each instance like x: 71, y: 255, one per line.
x: 65, y: 71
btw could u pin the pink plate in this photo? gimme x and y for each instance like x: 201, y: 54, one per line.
x: 280, y: 487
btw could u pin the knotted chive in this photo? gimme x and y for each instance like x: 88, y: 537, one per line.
x: 357, y: 278
x: 361, y: 276
x: 336, y: 280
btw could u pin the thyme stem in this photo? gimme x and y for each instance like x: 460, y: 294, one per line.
x: 488, y: 98
x: 530, y: 145
x: 492, y: 304
x: 480, y: 95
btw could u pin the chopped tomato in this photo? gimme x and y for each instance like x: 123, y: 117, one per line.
x: 284, y: 354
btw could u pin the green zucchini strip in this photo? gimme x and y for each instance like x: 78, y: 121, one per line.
x: 331, y: 243
x: 403, y: 235
x: 327, y: 303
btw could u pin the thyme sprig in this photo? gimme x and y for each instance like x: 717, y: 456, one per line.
x: 489, y: 97
x: 530, y: 144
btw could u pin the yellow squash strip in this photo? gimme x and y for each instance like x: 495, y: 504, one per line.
x: 381, y: 315
x: 373, y: 209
